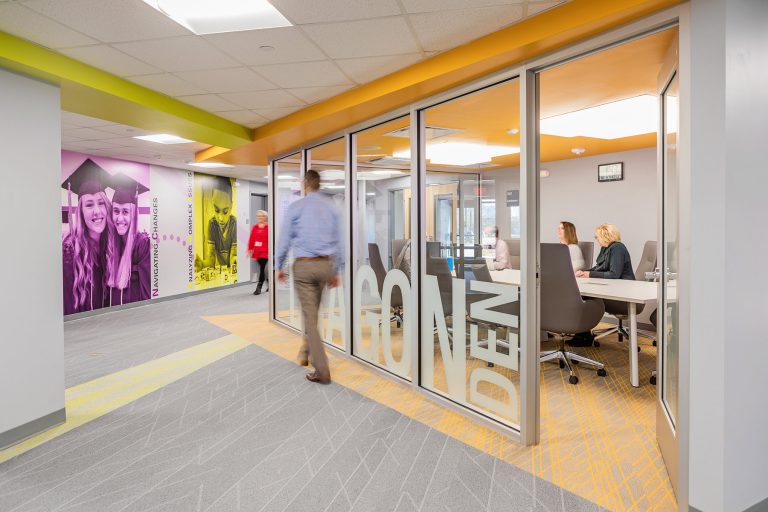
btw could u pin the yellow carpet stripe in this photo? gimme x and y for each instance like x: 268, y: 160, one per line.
x: 91, y: 400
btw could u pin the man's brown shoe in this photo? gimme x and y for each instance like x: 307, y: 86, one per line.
x: 316, y: 377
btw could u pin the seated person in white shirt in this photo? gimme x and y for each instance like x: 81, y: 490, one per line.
x: 502, y: 259
x: 566, y: 232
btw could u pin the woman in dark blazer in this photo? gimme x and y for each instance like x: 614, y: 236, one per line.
x: 613, y: 261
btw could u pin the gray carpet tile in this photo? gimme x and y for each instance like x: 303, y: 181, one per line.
x: 249, y: 433
x: 106, y: 343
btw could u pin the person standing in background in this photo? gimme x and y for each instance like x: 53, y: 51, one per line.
x: 129, y: 278
x: 258, y: 246
x: 312, y: 227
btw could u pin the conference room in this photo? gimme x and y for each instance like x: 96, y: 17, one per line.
x: 439, y: 288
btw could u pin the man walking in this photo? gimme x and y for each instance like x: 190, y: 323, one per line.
x: 312, y: 228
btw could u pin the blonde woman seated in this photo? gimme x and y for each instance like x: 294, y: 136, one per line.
x: 502, y: 259
x: 566, y: 232
x: 613, y: 262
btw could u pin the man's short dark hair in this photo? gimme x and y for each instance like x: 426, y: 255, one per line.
x: 221, y: 184
x: 312, y: 180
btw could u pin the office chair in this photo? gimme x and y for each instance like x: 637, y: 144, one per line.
x: 654, y: 319
x: 620, y: 310
x: 374, y: 257
x: 439, y: 267
x: 563, y: 311
x: 588, y: 251
x: 514, y: 252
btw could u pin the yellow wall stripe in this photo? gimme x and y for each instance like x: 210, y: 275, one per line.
x: 90, y: 91
x: 91, y: 400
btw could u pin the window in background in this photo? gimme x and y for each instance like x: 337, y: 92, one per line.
x: 382, y: 313
x: 286, y: 185
x: 469, y: 353
x: 329, y: 161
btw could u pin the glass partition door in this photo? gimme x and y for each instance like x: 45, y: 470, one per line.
x: 470, y: 328
x: 286, y: 188
x: 381, y: 238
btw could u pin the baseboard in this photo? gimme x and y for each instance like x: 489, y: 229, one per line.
x: 112, y: 309
x: 32, y: 428
x: 757, y: 507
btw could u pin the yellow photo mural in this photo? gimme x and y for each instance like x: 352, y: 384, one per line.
x: 215, y: 231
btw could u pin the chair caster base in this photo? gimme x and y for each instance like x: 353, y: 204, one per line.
x: 601, y: 372
x: 654, y: 343
x: 596, y: 344
x: 562, y: 364
x: 573, y: 379
x: 490, y: 365
x: 638, y: 349
x: 653, y: 380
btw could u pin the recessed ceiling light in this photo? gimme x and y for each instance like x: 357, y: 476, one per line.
x: 286, y: 177
x: 266, y: 48
x: 206, y: 17
x: 371, y: 194
x: 513, y: 131
x: 212, y: 165
x: 370, y: 148
x: 163, y: 138
x: 335, y: 187
x: 462, y: 153
x: 623, y: 118
x: 578, y: 151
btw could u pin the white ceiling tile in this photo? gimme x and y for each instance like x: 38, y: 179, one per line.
x: 365, y: 38
x: 71, y: 118
x: 178, y: 54
x: 124, y: 130
x: 68, y: 138
x: 109, y: 20
x: 289, y: 44
x: 370, y: 68
x: 263, y: 99
x: 108, y: 59
x: 87, y: 144
x: 538, y: 7
x: 167, y: 83
x: 301, y: 12
x: 448, y: 29
x: 314, y: 94
x: 209, y: 102
x: 90, y: 134
x: 28, y: 24
x: 128, y: 141
x: 414, y: 6
x: 244, y: 117
x: 305, y: 74
x: 226, y: 80
x: 277, y: 113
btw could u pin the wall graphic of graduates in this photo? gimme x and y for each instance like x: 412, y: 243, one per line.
x: 105, y: 247
x: 215, y: 231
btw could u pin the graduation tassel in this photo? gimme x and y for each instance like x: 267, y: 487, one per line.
x: 69, y: 205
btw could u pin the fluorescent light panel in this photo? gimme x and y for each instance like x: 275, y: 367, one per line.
x: 461, y: 153
x: 623, y: 118
x: 213, y: 17
x: 212, y: 165
x: 163, y: 138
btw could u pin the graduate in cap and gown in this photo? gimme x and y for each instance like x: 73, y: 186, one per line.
x: 88, y: 249
x: 128, y: 279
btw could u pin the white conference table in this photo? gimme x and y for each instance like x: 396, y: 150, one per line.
x: 632, y: 292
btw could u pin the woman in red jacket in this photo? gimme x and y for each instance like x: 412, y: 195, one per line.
x: 258, y: 246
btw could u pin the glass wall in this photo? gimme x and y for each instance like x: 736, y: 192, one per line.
x: 469, y: 349
x: 286, y: 183
x: 329, y: 161
x: 382, y: 247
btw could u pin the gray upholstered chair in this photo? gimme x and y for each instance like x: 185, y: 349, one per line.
x: 374, y: 258
x: 438, y: 267
x: 433, y: 249
x: 620, y: 310
x: 514, y: 252
x: 588, y: 251
x: 563, y: 311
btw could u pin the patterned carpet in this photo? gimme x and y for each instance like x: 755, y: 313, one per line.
x: 597, y: 438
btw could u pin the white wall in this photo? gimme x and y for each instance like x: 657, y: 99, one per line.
x: 728, y: 249
x: 32, y: 340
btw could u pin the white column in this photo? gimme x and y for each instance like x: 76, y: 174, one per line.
x: 31, y: 312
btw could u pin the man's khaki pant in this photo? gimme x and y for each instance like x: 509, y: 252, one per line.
x: 310, y: 278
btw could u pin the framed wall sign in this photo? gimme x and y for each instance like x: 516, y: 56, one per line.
x: 610, y: 172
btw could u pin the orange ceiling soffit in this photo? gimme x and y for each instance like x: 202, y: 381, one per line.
x: 92, y: 92
x: 548, y: 31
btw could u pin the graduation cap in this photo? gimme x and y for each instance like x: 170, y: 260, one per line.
x: 127, y: 189
x: 89, y: 178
